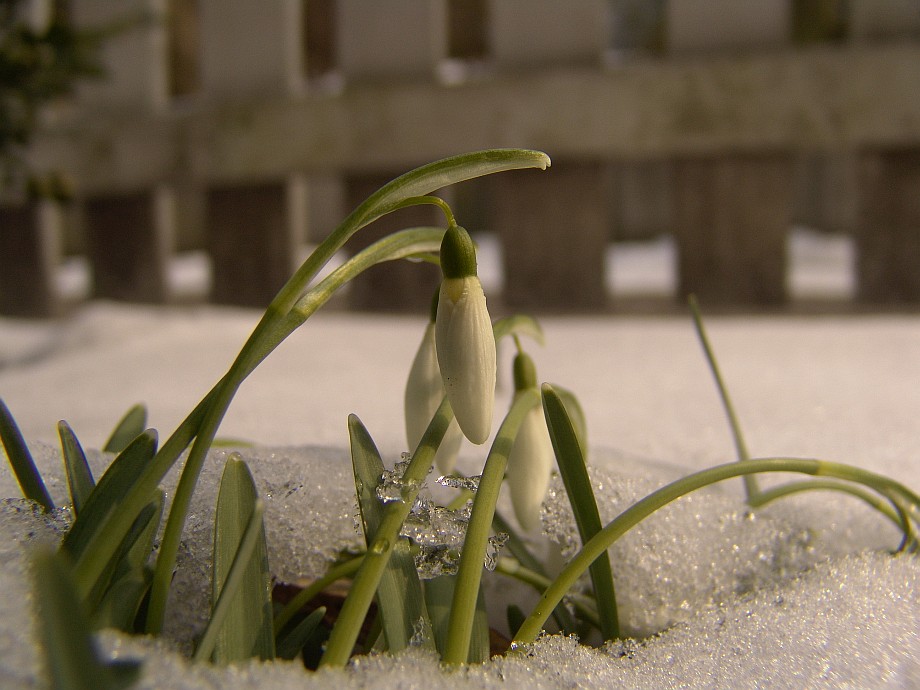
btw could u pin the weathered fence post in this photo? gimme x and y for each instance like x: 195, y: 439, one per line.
x: 554, y: 227
x: 379, y: 42
x: 129, y: 239
x: 731, y: 217
x: 888, y: 234
x: 30, y: 236
x: 251, y: 51
x: 129, y: 231
x: 732, y: 208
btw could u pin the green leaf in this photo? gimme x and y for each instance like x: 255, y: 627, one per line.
x: 241, y: 583
x: 293, y: 642
x: 515, y: 617
x: 574, y: 472
x: 518, y: 324
x: 751, y: 486
x: 115, y: 483
x: 27, y: 474
x: 399, y: 594
x: 439, y: 596
x: 518, y: 549
x: 123, y: 592
x: 576, y: 415
x: 129, y: 428
x: 443, y: 173
x: 475, y: 544
x: 80, y: 480
x: 72, y: 658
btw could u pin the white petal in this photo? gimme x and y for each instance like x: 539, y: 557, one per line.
x: 424, y: 392
x: 529, y: 466
x: 466, y: 354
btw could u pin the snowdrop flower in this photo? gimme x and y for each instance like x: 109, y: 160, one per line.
x: 464, y: 339
x: 424, y: 392
x: 531, y: 460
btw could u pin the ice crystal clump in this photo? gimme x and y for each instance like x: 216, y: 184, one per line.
x: 394, y: 486
x: 439, y: 532
x: 462, y: 483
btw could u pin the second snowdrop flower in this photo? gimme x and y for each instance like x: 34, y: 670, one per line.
x: 463, y: 334
x: 424, y: 392
x: 531, y: 460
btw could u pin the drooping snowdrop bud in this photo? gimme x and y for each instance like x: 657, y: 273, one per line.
x: 463, y: 334
x: 424, y: 392
x: 531, y: 460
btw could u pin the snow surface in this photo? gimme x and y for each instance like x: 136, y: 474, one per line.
x: 800, y: 594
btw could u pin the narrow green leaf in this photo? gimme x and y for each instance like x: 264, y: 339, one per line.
x: 292, y: 643
x: 128, y: 428
x: 439, y: 596
x: 475, y: 544
x: 80, y: 480
x: 120, y: 595
x: 751, y: 486
x: 364, y: 586
x: 576, y: 415
x: 27, y: 474
x: 515, y: 617
x: 114, y: 484
x: 72, y: 658
x: 574, y: 472
x: 242, y: 616
x: 399, y: 594
x: 518, y: 549
x: 518, y: 324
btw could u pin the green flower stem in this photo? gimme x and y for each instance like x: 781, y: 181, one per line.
x: 469, y: 572
x: 511, y: 567
x: 254, y: 352
x: 354, y: 610
x: 517, y: 548
x: 640, y: 510
x: 751, y: 487
x: 337, y: 572
x: 202, y: 423
x: 890, y: 510
x: 395, y: 246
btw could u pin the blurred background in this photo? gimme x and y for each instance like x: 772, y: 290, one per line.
x: 763, y: 154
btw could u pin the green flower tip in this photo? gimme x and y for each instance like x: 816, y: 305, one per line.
x: 458, y: 253
x: 525, y: 373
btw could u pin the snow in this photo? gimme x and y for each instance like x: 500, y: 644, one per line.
x: 802, y: 593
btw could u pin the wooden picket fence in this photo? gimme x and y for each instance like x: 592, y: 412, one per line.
x: 248, y: 127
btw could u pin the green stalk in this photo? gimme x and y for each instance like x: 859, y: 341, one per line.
x: 354, y: 610
x: 511, y: 567
x: 340, y: 571
x: 751, y: 488
x: 640, y: 510
x: 254, y: 352
x: 475, y: 544
x: 892, y: 512
x: 202, y: 424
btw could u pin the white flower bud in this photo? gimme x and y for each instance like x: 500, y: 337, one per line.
x: 531, y: 459
x: 466, y: 354
x: 424, y: 392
